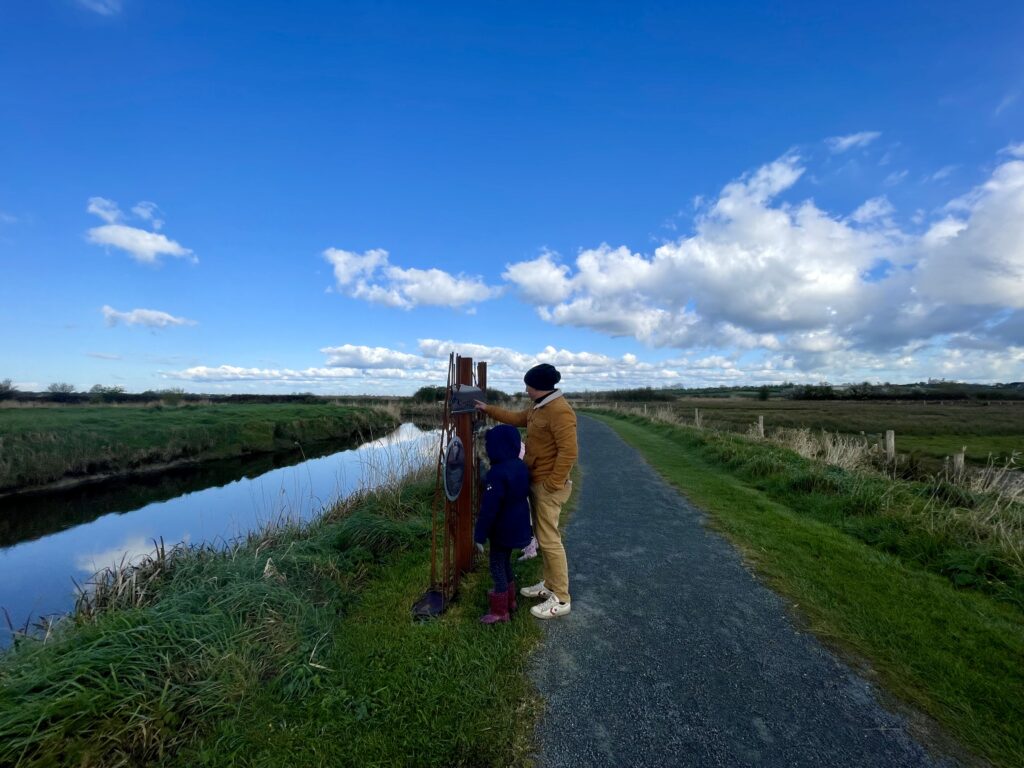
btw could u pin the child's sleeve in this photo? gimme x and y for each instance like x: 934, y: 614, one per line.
x: 489, y: 506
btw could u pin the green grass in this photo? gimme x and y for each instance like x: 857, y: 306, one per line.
x: 935, y: 430
x: 314, y: 660
x: 957, y: 654
x: 43, y: 445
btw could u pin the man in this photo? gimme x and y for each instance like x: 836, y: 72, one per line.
x: 551, y: 451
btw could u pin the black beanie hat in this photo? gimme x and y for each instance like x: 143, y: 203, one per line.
x: 542, y: 377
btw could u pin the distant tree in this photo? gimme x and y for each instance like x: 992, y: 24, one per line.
x: 763, y: 392
x: 496, y: 396
x: 61, y: 391
x: 101, y: 394
x: 429, y: 394
x: 7, y: 389
x: 171, y: 396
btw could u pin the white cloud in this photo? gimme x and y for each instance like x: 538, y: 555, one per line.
x: 1015, y: 150
x: 839, y: 144
x: 350, y: 267
x: 102, y: 7
x: 895, y: 178
x: 142, y: 245
x: 151, y: 318
x: 371, y: 277
x: 795, y: 282
x: 103, y: 356
x: 352, y: 356
x: 540, y: 281
x: 978, y: 259
x: 870, y: 210
x: 943, y: 172
x: 148, y: 211
x: 1007, y: 101
x: 105, y: 209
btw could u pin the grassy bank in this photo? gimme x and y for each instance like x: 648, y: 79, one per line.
x: 44, y: 445
x: 294, y: 648
x: 862, y: 559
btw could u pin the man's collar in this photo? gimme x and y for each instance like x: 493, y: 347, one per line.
x: 541, y: 402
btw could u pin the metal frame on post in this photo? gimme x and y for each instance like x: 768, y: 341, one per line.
x: 452, y: 521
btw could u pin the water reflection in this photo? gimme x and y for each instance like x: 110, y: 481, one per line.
x: 48, y: 539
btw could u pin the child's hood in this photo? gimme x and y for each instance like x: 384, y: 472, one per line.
x: 502, y: 443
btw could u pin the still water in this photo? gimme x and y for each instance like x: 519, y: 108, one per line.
x: 48, y: 540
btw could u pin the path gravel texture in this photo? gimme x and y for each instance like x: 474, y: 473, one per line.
x: 675, y: 655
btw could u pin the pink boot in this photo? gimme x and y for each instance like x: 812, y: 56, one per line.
x: 499, y: 608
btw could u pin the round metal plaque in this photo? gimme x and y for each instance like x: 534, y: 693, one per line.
x: 454, y: 468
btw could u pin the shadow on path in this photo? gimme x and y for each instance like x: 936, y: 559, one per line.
x: 674, y: 655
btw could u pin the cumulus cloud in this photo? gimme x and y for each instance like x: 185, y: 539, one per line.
x: 370, y: 276
x: 142, y: 245
x: 796, y: 282
x: 151, y: 318
x: 839, y: 144
x: 352, y: 356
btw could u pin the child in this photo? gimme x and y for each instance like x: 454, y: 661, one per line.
x: 504, y: 517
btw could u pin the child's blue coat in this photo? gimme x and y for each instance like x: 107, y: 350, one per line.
x: 504, y: 511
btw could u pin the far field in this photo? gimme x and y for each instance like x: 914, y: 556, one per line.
x: 44, y: 445
x: 930, y: 430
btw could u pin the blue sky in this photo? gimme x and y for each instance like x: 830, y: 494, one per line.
x: 328, y: 197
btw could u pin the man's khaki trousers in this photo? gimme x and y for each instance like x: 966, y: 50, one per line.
x: 546, y: 507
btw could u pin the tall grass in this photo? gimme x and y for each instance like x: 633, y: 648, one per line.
x: 160, y: 650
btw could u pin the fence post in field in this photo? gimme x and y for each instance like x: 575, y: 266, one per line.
x: 696, y: 417
x: 890, y: 445
x: 760, y: 427
x: 958, y: 463
x: 645, y: 409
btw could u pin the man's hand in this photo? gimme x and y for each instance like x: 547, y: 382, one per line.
x: 480, y: 405
x: 479, y: 547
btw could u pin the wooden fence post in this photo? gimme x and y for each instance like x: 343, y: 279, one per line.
x: 696, y: 417
x: 760, y: 427
x: 958, y: 463
x: 890, y: 445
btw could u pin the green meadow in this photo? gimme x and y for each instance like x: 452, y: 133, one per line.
x: 42, y: 445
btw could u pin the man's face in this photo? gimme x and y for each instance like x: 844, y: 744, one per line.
x: 534, y: 393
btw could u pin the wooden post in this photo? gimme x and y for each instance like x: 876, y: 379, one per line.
x: 463, y: 528
x: 760, y: 427
x: 890, y: 445
x: 696, y: 417
x: 958, y: 463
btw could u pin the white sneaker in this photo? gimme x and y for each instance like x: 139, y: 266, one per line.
x: 537, y: 590
x: 551, y: 608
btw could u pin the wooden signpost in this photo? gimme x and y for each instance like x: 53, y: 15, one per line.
x: 454, y: 510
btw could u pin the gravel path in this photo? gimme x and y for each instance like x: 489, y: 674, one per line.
x: 674, y: 655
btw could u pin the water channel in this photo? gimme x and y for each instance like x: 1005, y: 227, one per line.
x: 50, y: 541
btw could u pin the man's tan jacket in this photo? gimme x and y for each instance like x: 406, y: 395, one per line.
x: 551, y: 448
